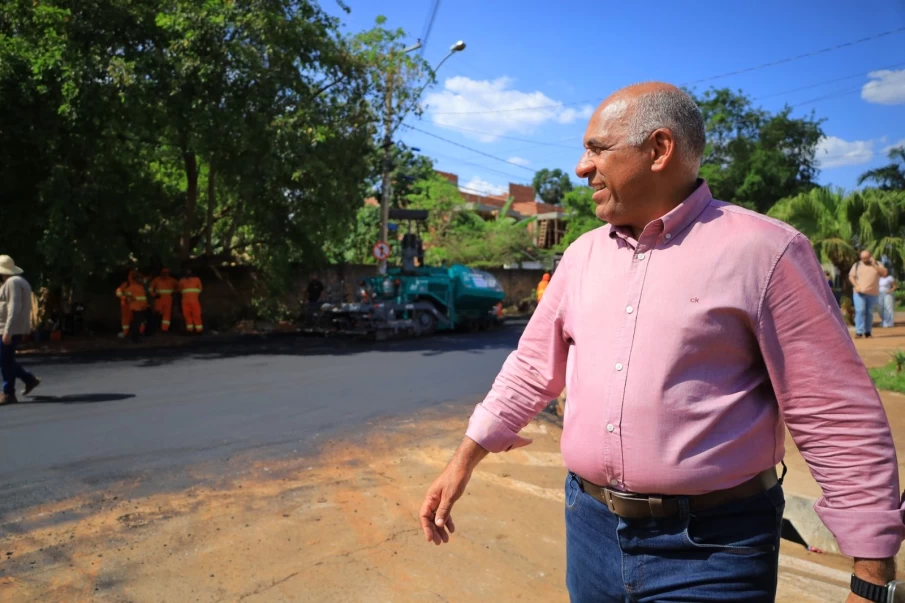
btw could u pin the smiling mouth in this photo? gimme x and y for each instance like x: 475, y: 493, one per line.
x: 598, y: 187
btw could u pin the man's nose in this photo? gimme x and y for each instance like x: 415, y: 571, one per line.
x: 585, y: 167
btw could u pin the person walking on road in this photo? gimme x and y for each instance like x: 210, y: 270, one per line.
x: 688, y: 330
x: 162, y: 289
x: 865, y: 278
x: 15, y: 321
x: 542, y: 286
x: 190, y: 288
x: 887, y: 302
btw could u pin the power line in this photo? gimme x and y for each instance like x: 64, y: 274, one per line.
x: 825, y: 82
x: 698, y: 81
x: 469, y: 148
x: 516, y: 179
x: 798, y: 57
x: 429, y: 26
x: 538, y: 142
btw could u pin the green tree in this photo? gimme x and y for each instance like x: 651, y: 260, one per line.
x: 890, y: 177
x: 551, y: 185
x: 839, y: 225
x: 579, y: 204
x: 456, y: 235
x: 754, y: 157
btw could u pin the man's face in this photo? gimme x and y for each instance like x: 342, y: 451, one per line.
x: 865, y: 257
x: 617, y: 171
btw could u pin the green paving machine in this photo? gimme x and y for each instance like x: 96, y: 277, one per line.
x: 415, y: 299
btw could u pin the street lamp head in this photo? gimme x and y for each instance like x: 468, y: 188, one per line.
x: 457, y: 47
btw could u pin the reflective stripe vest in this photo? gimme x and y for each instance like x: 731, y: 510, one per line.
x: 164, y: 285
x: 121, y: 293
x: 190, y: 287
x: 137, y: 296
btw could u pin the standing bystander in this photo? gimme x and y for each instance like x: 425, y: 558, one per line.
x: 15, y: 321
x: 887, y: 304
x: 865, y: 278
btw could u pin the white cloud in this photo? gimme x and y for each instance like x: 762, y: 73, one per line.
x: 835, y: 152
x: 476, y: 185
x: 887, y: 87
x: 519, y: 161
x: 886, y: 150
x: 484, y: 106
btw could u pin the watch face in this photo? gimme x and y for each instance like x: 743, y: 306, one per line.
x: 896, y: 591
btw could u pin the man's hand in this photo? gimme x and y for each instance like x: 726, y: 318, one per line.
x: 436, y: 509
x: 877, y: 571
x: 7, y: 339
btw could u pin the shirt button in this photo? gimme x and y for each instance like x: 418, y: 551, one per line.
x: 619, y: 366
x: 629, y: 309
x: 668, y: 236
x: 640, y: 256
x: 614, y: 482
x: 610, y: 427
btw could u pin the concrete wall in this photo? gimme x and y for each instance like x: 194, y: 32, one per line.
x: 229, y: 293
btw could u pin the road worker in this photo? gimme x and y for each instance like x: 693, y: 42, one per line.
x: 137, y: 296
x: 125, y: 311
x: 162, y: 289
x: 542, y: 286
x: 190, y: 288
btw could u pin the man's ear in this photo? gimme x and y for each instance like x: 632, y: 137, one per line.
x: 662, y: 149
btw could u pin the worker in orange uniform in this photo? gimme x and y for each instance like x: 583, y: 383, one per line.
x: 125, y: 311
x: 137, y: 296
x: 542, y: 286
x: 162, y: 289
x: 190, y: 288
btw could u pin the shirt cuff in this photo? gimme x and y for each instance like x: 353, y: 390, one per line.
x: 491, y: 434
x: 866, y: 533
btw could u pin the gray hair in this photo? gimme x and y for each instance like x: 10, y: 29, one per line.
x: 671, y: 109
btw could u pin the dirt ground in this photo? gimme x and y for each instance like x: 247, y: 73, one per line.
x: 339, y: 526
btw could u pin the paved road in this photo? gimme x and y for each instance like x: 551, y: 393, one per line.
x: 101, y: 420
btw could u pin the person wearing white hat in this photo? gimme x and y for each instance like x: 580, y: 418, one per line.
x: 15, y: 321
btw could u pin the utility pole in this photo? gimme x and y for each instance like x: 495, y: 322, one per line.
x: 389, y: 128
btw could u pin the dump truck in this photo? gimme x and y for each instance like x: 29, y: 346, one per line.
x: 414, y: 299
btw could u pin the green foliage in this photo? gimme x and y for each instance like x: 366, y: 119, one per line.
x: 753, y: 157
x: 898, y: 359
x: 456, y: 235
x: 357, y: 247
x: 890, y: 177
x: 889, y: 377
x: 551, y: 185
x: 135, y: 132
x: 839, y: 225
x: 581, y: 214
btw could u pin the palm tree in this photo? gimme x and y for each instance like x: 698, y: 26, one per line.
x: 890, y: 177
x: 828, y: 219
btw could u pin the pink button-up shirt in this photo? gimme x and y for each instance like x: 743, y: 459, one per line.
x: 685, y: 351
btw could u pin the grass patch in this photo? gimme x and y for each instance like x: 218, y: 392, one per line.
x: 891, y: 376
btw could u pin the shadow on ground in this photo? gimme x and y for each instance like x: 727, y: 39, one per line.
x: 77, y: 398
x: 291, y: 344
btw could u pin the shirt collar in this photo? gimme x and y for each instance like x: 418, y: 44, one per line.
x: 675, y: 221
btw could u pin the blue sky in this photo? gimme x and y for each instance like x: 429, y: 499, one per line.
x: 562, y: 58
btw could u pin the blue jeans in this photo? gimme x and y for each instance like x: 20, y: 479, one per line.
x: 888, y: 309
x: 864, y: 312
x: 729, y: 553
x: 10, y: 369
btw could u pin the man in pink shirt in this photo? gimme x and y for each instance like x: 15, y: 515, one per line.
x: 693, y: 330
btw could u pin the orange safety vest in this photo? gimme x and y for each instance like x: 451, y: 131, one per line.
x: 137, y: 296
x: 121, y: 293
x: 164, y: 285
x: 190, y: 287
x: 541, y: 288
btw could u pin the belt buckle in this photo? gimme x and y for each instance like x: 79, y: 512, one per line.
x: 608, y: 498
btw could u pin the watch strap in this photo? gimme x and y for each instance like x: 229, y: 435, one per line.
x: 868, y: 590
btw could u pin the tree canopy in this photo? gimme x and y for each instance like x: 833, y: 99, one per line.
x: 551, y: 185
x: 890, y: 177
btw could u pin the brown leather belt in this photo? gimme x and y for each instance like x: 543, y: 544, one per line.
x: 642, y: 506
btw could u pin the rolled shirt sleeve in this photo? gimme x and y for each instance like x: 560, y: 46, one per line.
x: 831, y: 406
x: 533, y: 375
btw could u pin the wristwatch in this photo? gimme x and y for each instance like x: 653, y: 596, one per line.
x: 891, y: 592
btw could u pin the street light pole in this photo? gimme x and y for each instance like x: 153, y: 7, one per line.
x: 386, y: 184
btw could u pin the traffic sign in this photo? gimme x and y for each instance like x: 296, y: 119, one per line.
x: 381, y: 251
